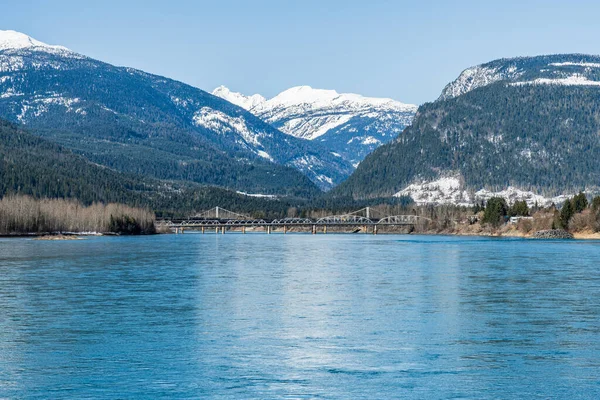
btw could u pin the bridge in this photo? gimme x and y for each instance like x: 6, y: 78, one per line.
x: 221, y: 220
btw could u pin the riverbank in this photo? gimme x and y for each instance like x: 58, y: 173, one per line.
x: 27, y: 216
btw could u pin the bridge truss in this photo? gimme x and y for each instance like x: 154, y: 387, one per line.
x: 221, y: 219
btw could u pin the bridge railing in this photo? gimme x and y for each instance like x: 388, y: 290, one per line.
x: 347, y: 219
x: 402, y: 219
x: 246, y: 222
x: 293, y: 221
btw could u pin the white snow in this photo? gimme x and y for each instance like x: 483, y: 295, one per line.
x: 41, y: 103
x: 10, y: 92
x: 220, y: 122
x: 16, y: 40
x: 445, y: 190
x: 325, y: 179
x: 312, y: 128
x: 511, y: 194
x: 575, y: 64
x: 483, y: 75
x: 450, y: 190
x: 266, y: 196
x: 312, y: 167
x: 264, y: 154
x: 309, y: 113
x: 370, y: 140
x: 319, y: 98
x: 246, y: 102
x: 476, y: 77
x: 573, y: 80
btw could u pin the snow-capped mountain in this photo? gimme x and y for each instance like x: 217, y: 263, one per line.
x: 518, y: 128
x: 562, y: 69
x: 147, y: 124
x: 12, y: 40
x: 246, y: 102
x: 350, y: 125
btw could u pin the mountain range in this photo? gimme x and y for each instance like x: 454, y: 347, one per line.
x: 351, y: 125
x: 523, y: 128
x: 528, y: 124
x: 146, y: 124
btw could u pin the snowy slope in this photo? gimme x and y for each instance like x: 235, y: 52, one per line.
x: 518, y: 128
x: 562, y: 69
x: 451, y: 190
x: 246, y: 102
x: 12, y: 40
x: 350, y: 125
x: 55, y: 89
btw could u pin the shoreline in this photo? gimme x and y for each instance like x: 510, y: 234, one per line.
x: 507, y: 234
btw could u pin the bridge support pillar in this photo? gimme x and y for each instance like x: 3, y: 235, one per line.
x: 325, y: 229
x: 222, y: 230
x: 243, y: 229
x: 202, y: 229
x: 216, y: 230
x: 268, y: 230
x: 374, y: 229
x: 284, y: 229
x: 314, y: 230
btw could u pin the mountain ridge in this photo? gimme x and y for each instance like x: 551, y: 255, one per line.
x: 188, y: 130
x: 349, y: 124
x: 519, y: 123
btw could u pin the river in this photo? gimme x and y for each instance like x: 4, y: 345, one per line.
x: 299, y: 316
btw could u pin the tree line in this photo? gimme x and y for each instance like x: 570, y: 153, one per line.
x: 24, y: 214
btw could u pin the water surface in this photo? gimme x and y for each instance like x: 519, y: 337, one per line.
x: 299, y: 316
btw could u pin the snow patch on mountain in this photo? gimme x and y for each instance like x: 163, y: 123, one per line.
x: 246, y: 102
x: 565, y: 70
x: 222, y: 123
x: 259, y: 195
x: 443, y: 191
x: 451, y: 190
x: 40, y: 105
x: 511, y: 195
x: 476, y: 77
x: 311, y: 166
x: 312, y: 128
x: 573, y: 80
x: 12, y: 40
x: 575, y: 64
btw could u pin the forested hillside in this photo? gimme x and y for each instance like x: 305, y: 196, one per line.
x: 30, y: 165
x: 535, y: 136
x: 141, y: 123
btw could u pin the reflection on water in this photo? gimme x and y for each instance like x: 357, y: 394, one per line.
x: 299, y: 316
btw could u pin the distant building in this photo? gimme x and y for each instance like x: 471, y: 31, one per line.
x: 515, y: 220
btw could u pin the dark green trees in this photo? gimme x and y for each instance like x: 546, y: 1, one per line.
x: 495, y: 211
x: 571, y: 207
x: 580, y: 202
x: 566, y: 213
x: 519, y: 209
x: 596, y: 203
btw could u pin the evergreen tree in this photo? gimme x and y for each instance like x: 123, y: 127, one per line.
x: 566, y: 213
x: 580, y: 202
x: 495, y: 211
x: 596, y: 203
x: 519, y: 209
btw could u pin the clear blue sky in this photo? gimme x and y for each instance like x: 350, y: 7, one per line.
x: 406, y: 50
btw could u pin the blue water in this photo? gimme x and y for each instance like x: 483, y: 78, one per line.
x: 299, y: 316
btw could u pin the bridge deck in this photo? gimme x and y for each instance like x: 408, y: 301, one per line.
x: 222, y: 219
